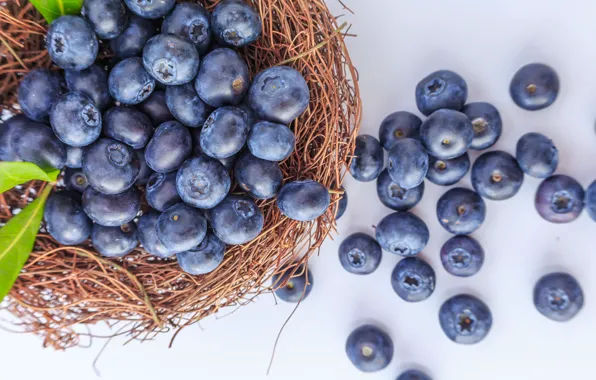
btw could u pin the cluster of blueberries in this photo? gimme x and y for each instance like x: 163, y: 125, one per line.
x: 176, y: 121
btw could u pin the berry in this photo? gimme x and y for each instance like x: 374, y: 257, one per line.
x: 111, y: 210
x: 74, y: 179
x: 342, y: 205
x: 190, y: 20
x: 279, y: 94
x: 229, y: 162
x: 303, y: 200
x: 534, y: 87
x: 402, y: 233
x: 93, y: 82
x: 223, y: 78
x: 486, y: 122
x: 236, y: 220
x: 108, y: 18
x: 181, y: 228
x: 36, y: 143
x: 396, y: 197
x: 368, y: 159
x: 413, y: 280
x: 224, y: 132
x: 559, y: 199
x: 128, y: 125
x: 171, y: 59
x: 7, y: 129
x: 465, y: 319
x: 115, y: 241
x: 235, y: 23
x: 439, y: 90
x: 72, y: 43
x: 369, y: 348
x: 75, y: 119
x: 496, y: 175
x: 397, y: 126
x: 151, y: 9
x: 447, y: 172
x: 590, y: 200
x: 65, y: 219
x: 461, y: 211
x: 558, y: 297
x: 111, y: 167
x: 250, y: 114
x: 413, y: 374
x: 203, y: 182
x: 407, y: 163
x: 186, y: 105
x: 462, y: 256
x: 360, y: 254
x: 270, y: 141
x: 446, y: 134
x: 38, y: 91
x: 537, y: 155
x: 298, y: 283
x: 156, y: 109
x: 161, y: 191
x: 131, y: 41
x: 203, y: 259
x: 170, y: 145
x: 74, y: 157
x: 261, y: 179
x: 147, y: 232
x: 144, y: 172
x: 129, y: 83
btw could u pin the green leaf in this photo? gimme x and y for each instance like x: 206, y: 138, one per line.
x: 17, y: 239
x: 52, y: 9
x: 15, y: 173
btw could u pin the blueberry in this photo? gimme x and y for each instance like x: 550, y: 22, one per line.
x: 223, y: 78
x: 171, y: 59
x: 534, y: 87
x: 461, y: 211
x: 115, y: 241
x: 342, y: 205
x: 279, y: 94
x: 397, y: 126
x: 465, y: 319
x: 156, y: 108
x: 235, y: 23
x: 203, y: 182
x: 368, y: 159
x: 360, y: 253
x: 144, y: 172
x: 369, y: 348
x: 413, y: 280
x: 65, y: 219
x: 205, y: 258
x: 413, y: 374
x: 111, y: 210
x: 439, y: 90
x: 303, y: 200
x: 396, y: 197
x: 7, y: 129
x: 107, y: 17
x: 151, y: 9
x: 250, y: 114
x: 486, y: 122
x: 161, y: 191
x: 407, y: 163
x: 93, y: 82
x: 559, y: 199
x: 128, y: 125
x: 72, y: 43
x: 131, y: 41
x: 38, y: 91
x: 462, y: 256
x: 181, y: 228
x: 558, y: 296
x: 170, y: 146
x: 402, y: 233
x: 129, y: 83
x: 74, y: 157
x: 36, y: 143
x: 229, y: 162
x: 190, y: 20
x: 270, y: 141
x: 261, y: 179
x: 537, y: 155
x: 236, y: 220
x: 446, y: 134
x: 298, y: 283
x: 224, y: 132
x: 590, y: 200
x: 186, y: 105
x: 110, y: 166
x: 496, y: 175
x: 75, y: 179
x: 448, y: 172
x: 75, y: 119
x: 147, y: 231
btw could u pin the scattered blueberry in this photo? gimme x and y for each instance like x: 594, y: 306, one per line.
x: 446, y: 134
x: 151, y: 9
x: 298, y: 283
x: 462, y: 256
x: 368, y: 159
x: 37, y: 143
x: 442, y: 89
x: 537, y: 155
x: 156, y: 109
x: 38, y: 91
x: 170, y: 145
x: 236, y: 220
x: 128, y: 125
x: 558, y: 296
x: 235, y: 23
x: 75, y: 179
x: 224, y: 132
x: 75, y: 119
x: 360, y: 253
x: 461, y: 211
x: 171, y: 59
x: 261, y: 179
x: 107, y: 17
x: 205, y: 258
x: 7, y: 129
x: 465, y: 319
x: 413, y: 374
x: 190, y: 20
x: 115, y: 241
x: 303, y: 200
x: 186, y: 105
x: 147, y: 231
x: 448, y: 172
x: 559, y: 199
x: 407, y: 163
x: 93, y: 82
x: 203, y: 182
x: 486, y: 122
x: 496, y: 175
x: 402, y: 233
x: 110, y: 166
x: 369, y: 348
x: 396, y: 197
x: 342, y: 205
x: 161, y: 191
x: 534, y: 87
x: 181, y: 227
x: 223, y: 78
x: 72, y: 43
x: 74, y: 157
x: 131, y: 41
x: 129, y: 83
x: 65, y: 219
x: 111, y: 210
x: 397, y: 126
x: 413, y: 280
x: 270, y: 141
x: 590, y: 200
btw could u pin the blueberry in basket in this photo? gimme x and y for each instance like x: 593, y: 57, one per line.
x: 115, y: 241
x: 186, y: 105
x: 129, y: 83
x: 190, y: 20
x: 171, y: 59
x: 108, y: 18
x: 39, y: 90
x: 270, y: 141
x: 75, y: 119
x: 204, y: 258
x: 65, y: 219
x: 72, y: 43
x: 111, y: 210
x: 303, y: 200
x: 235, y: 23
x: 236, y: 220
x: 93, y: 82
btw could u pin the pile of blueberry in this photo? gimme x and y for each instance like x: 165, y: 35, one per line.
x: 175, y: 122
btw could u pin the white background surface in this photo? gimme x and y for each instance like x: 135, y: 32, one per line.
x: 399, y: 42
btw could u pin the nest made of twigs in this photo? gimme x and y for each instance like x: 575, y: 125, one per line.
x: 62, y: 287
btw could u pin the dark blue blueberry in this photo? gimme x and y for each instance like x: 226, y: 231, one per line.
x: 75, y: 179
x: 441, y: 89
x: 7, y: 129
x: 537, y: 155
x: 397, y: 126
x: 224, y: 132
x: 147, y: 230
x: 558, y: 296
x: 360, y: 253
x: 156, y: 109
x: 270, y: 141
x: 534, y: 87
x: 170, y: 145
x: 261, y: 179
x: 111, y: 210
x: 110, y: 166
x: 38, y: 91
x: 235, y: 23
x: 37, y: 143
x: 171, y: 59
x: 486, y: 122
x: 161, y: 191
x: 461, y: 211
x: 131, y: 41
x: 396, y: 197
x: 293, y: 283
x: 250, y: 114
x: 93, y: 82
x: 447, y: 172
x: 128, y: 125
x: 496, y: 175
x: 190, y: 20
x: 181, y: 227
x: 465, y: 319
x: 205, y: 258
x: 559, y: 199
x: 413, y: 280
x: 462, y: 256
x: 108, y: 18
x: 145, y: 171
x: 368, y: 159
x: 279, y: 94
x: 115, y: 241
x: 151, y: 9
x: 75, y: 119
x: 342, y: 205
x: 446, y: 134
x: 203, y: 182
x: 413, y: 374
x: 590, y: 200
x: 129, y: 83
x: 303, y: 200
x: 236, y: 220
x: 229, y: 162
x: 223, y: 78
x: 402, y: 233
x: 72, y: 43
x: 369, y: 348
x: 186, y: 105
x: 74, y: 157
x: 407, y: 163
x: 65, y: 219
